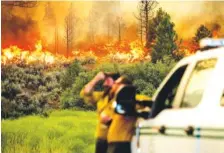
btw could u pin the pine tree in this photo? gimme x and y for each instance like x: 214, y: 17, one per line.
x: 165, y: 37
x: 70, y: 22
x: 153, y: 24
x: 202, y: 32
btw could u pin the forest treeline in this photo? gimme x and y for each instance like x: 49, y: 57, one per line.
x: 37, y: 88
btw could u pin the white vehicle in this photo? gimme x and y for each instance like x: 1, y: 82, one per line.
x: 188, y: 111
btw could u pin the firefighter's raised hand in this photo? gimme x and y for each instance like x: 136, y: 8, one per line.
x: 89, y: 87
x: 99, y: 76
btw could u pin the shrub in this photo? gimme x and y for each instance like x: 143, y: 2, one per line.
x: 146, y: 77
x: 70, y: 74
x: 28, y: 89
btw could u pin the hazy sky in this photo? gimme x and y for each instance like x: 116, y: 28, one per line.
x: 187, y: 15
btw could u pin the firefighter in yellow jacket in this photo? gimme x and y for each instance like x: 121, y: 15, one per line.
x: 101, y: 99
x: 122, y: 127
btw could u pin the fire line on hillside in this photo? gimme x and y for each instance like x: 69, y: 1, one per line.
x: 125, y: 52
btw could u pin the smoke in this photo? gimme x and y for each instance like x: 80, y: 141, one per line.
x: 208, y: 13
x: 16, y: 30
x: 216, y: 27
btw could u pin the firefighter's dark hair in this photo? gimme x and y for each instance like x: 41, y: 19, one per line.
x: 114, y: 76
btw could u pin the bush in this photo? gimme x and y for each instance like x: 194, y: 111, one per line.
x: 71, y: 96
x: 66, y: 99
x: 28, y: 89
x: 145, y: 76
x: 70, y: 74
x: 33, y: 89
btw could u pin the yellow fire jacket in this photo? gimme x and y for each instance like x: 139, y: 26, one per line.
x: 103, y: 105
x: 122, y: 127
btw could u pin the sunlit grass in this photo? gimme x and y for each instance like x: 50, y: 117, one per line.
x: 64, y: 131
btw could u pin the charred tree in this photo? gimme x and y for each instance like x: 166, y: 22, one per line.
x: 139, y: 17
x: 145, y: 13
x: 70, y: 20
x: 119, y: 26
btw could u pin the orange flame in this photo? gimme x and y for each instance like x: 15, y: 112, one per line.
x: 215, y: 34
x: 13, y: 54
x: 125, y: 52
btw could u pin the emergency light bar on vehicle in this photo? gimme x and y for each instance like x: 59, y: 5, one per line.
x: 211, y: 43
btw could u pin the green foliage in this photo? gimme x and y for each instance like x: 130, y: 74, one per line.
x: 147, y: 76
x: 28, y: 89
x: 165, y: 38
x: 34, y: 89
x: 70, y: 74
x: 153, y: 24
x: 66, y: 99
x: 63, y: 131
x: 71, y: 96
x: 202, y: 32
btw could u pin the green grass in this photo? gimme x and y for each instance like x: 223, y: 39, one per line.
x: 63, y: 131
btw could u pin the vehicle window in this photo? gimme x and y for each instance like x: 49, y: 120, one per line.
x: 197, y: 83
x: 166, y: 96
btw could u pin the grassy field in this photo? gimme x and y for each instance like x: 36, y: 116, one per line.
x: 63, y: 131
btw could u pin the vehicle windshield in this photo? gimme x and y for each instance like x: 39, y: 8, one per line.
x: 198, y: 82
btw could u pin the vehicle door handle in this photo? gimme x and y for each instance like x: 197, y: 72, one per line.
x: 189, y: 130
x: 162, y: 129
